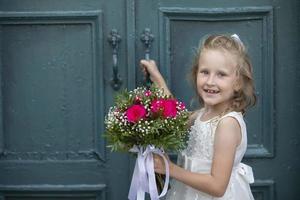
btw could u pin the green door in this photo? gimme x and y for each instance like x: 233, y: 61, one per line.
x: 56, y: 66
x: 58, y: 79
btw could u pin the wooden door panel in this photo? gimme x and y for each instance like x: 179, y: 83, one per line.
x: 193, y: 24
x: 178, y: 27
x: 52, y: 105
x: 56, y: 71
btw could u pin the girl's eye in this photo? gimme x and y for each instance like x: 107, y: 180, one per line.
x: 221, y: 74
x: 204, y: 72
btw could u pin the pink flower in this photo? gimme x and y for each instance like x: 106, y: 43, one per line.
x: 135, y: 113
x: 137, y: 99
x: 148, y: 93
x: 169, y: 108
x: 156, y: 105
x: 181, y: 105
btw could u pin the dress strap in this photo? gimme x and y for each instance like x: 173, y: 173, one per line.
x: 236, y: 115
x: 239, y: 117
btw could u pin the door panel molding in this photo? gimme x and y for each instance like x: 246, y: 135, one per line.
x: 259, y: 20
x: 130, y: 44
x: 93, y: 20
x: 263, y: 189
x: 82, y: 191
x: 53, y: 172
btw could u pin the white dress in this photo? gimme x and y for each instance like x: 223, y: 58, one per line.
x: 197, y: 157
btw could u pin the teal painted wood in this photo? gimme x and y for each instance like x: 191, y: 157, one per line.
x: 54, y: 97
x: 228, y: 20
x: 56, y: 67
x: 179, y: 26
x: 55, y: 191
x: 42, y: 92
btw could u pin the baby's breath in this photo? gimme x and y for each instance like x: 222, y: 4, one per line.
x: 165, y: 132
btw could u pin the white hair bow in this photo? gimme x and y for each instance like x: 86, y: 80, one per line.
x: 236, y: 38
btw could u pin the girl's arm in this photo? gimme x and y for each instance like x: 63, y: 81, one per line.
x: 155, y: 76
x: 227, y: 138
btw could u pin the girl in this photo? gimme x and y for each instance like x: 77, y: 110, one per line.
x: 210, y: 167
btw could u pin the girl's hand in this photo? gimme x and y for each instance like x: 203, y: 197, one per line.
x: 155, y: 75
x: 151, y: 67
x: 159, y: 164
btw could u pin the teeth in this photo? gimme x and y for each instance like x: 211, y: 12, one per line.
x: 211, y: 91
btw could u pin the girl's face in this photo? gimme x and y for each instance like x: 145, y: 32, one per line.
x: 216, y: 78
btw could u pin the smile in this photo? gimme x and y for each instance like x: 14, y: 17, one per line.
x: 211, y: 91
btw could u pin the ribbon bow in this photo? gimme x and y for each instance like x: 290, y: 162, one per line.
x: 246, y: 172
x: 143, y: 179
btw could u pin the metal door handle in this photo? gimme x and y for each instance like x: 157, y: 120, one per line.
x: 147, y: 38
x: 114, y: 39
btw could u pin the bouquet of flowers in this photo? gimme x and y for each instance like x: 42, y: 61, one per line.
x: 146, y: 121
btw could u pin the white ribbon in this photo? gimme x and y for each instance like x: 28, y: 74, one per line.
x: 246, y: 172
x: 143, y: 179
x: 246, y: 177
x: 237, y: 38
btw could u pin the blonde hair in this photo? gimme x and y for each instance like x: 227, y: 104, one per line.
x: 244, y: 97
